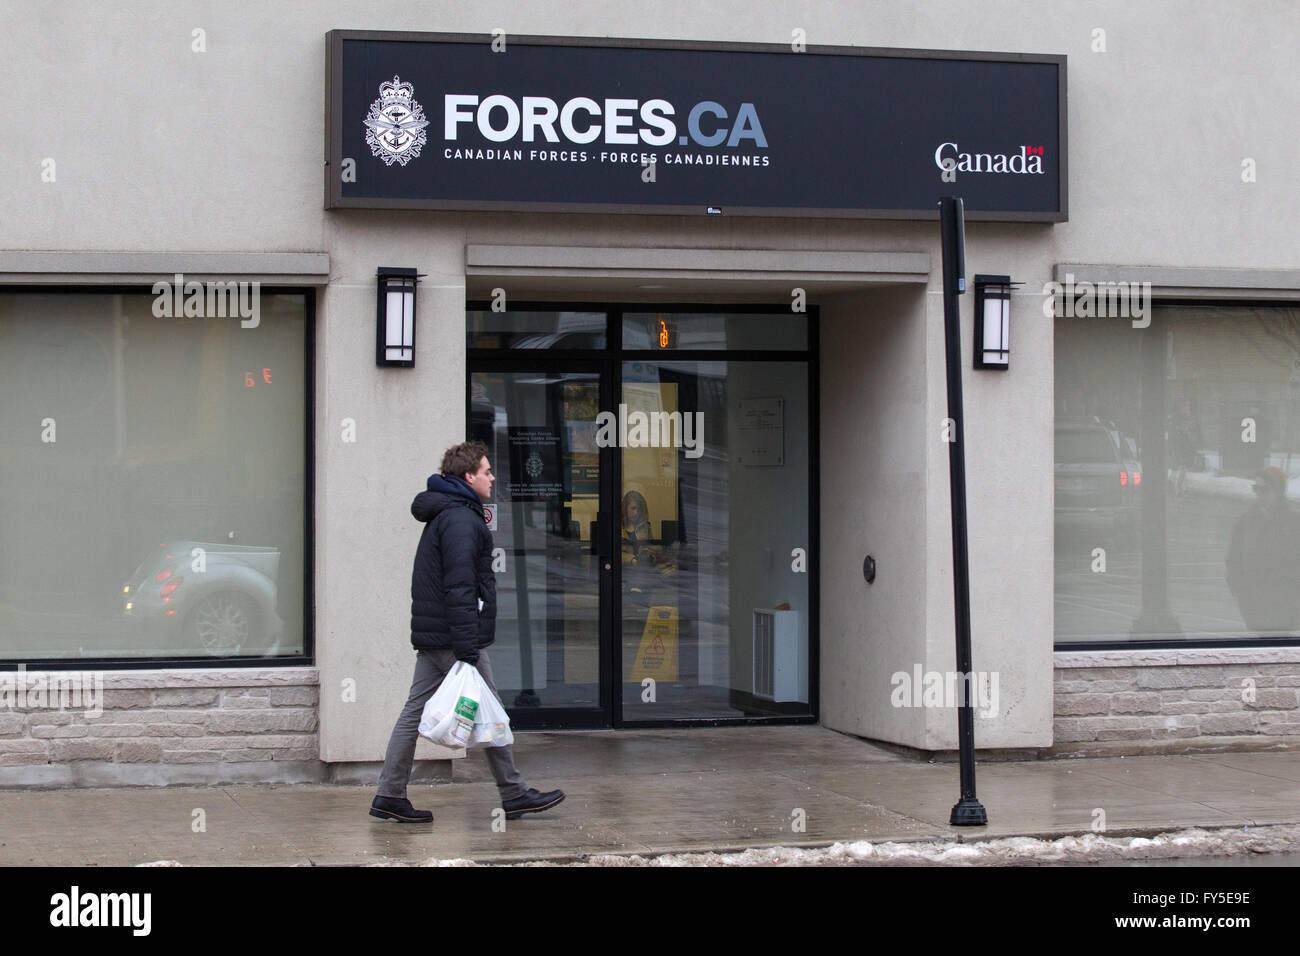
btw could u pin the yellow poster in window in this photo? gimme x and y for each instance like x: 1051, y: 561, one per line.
x: 657, y: 655
x: 650, y: 459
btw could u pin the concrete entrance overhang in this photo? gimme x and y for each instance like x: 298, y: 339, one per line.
x: 712, y: 275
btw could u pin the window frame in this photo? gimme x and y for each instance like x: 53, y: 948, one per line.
x: 307, y: 657
x: 1166, y: 302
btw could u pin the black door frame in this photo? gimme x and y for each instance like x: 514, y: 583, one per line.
x: 608, y: 365
x: 550, y: 362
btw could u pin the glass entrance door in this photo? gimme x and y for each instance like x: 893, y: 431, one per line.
x: 713, y: 597
x: 654, y: 515
x: 540, y: 429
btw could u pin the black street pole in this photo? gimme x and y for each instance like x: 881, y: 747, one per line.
x: 968, y: 812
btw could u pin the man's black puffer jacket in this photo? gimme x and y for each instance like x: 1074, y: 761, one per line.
x: 453, y: 570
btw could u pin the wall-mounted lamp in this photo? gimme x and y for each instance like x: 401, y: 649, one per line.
x: 395, y: 317
x: 992, y: 322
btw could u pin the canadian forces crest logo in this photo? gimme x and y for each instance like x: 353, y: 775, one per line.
x: 395, y: 124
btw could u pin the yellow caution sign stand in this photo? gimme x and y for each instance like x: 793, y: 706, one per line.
x: 657, y: 655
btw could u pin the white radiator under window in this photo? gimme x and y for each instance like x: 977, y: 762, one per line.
x: 780, y: 657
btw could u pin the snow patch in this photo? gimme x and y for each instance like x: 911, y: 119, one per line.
x: 1084, y: 848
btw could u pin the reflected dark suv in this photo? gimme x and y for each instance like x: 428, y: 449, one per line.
x: 1096, y: 485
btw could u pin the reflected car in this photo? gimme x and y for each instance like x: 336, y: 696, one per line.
x: 226, y: 609
x: 1096, y: 483
x: 1131, y: 468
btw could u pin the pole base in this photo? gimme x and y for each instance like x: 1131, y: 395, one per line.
x: 969, y: 812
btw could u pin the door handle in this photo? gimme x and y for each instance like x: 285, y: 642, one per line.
x: 598, y: 546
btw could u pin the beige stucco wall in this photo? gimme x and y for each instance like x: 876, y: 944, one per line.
x: 1009, y: 464
x: 161, y: 147
x: 158, y: 148
x: 885, y: 492
x: 873, y: 425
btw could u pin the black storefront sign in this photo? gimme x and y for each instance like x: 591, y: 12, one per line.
x: 439, y: 121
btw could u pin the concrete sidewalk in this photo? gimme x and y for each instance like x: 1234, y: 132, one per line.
x: 652, y: 791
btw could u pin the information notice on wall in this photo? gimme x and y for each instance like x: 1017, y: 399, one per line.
x: 762, y: 433
x: 534, y: 463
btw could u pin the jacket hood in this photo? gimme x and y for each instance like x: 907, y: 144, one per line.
x: 444, y: 491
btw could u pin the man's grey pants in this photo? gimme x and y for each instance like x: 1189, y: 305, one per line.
x: 430, y: 669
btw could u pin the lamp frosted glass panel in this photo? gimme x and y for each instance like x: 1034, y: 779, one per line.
x: 170, y: 479
x: 1178, y: 456
x: 399, y: 315
x: 393, y: 314
x: 408, y: 319
x: 996, y: 331
x: 398, y: 310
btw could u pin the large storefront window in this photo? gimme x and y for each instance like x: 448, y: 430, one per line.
x: 154, y: 479
x: 652, y: 513
x: 1178, y: 476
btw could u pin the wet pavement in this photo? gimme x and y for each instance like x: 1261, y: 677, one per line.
x: 650, y: 792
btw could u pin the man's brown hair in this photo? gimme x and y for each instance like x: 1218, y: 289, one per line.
x: 462, y: 458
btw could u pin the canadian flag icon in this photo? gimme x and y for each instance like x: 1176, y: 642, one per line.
x: 1033, y: 151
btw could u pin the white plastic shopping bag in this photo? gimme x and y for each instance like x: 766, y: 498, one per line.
x: 450, y: 714
x: 492, y: 727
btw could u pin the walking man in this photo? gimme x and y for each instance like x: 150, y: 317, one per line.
x: 453, y: 617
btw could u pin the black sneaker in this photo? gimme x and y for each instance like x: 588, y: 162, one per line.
x: 534, y: 801
x: 399, y: 809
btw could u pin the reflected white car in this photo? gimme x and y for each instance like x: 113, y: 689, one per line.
x: 204, y: 597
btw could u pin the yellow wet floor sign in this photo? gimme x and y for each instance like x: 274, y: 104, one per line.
x: 657, y: 655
